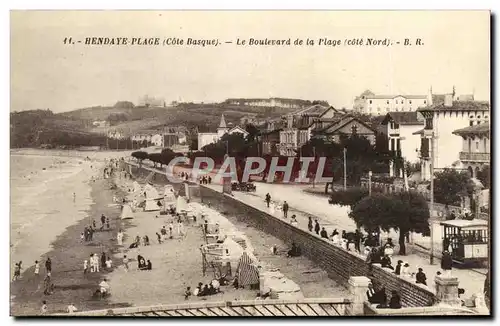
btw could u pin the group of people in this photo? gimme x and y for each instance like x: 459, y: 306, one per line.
x: 380, y: 297
x: 88, y: 233
x: 143, y: 264
x: 203, y: 290
x: 138, y: 241
x: 206, y: 180
x: 93, y: 265
x: 168, y: 233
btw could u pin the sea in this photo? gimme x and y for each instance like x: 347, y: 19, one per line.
x: 48, y: 194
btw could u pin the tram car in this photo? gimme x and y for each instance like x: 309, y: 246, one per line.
x: 466, y: 240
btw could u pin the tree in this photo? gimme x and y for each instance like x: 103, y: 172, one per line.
x: 349, y: 197
x: 450, y: 186
x: 140, y: 156
x: 253, y: 132
x: 484, y: 175
x: 403, y: 212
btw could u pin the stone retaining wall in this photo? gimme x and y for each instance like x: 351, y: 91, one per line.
x: 338, y: 263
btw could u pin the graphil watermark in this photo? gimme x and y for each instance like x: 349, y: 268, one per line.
x: 204, y: 166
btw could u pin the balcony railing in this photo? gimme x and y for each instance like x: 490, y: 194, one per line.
x: 479, y: 157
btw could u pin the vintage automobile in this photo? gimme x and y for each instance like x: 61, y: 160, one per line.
x: 243, y: 186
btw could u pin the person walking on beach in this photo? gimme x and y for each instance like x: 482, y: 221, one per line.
x: 82, y: 237
x: 170, y: 229
x: 119, y: 237
x: 158, y: 236
x: 85, y: 266
x: 17, y: 272
x: 37, y: 268
x: 48, y: 265
x: 268, y: 199
x: 310, y: 224
x: 91, y: 232
x: 103, y: 259
x: 71, y: 308
x: 285, y: 209
x: 44, y: 309
x: 93, y: 224
x: 103, y: 221
x: 125, y: 263
x: 316, y: 227
x: 96, y: 263
x: 163, y: 232
x: 107, y: 223
x: 180, y: 228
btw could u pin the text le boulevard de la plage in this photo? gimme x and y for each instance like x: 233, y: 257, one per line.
x: 243, y: 42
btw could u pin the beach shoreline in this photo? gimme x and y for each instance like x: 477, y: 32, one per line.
x: 67, y: 255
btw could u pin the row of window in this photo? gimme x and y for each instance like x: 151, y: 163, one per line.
x: 402, y: 102
x: 485, y: 145
x: 389, y: 110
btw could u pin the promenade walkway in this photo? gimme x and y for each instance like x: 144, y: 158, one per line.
x: 470, y: 280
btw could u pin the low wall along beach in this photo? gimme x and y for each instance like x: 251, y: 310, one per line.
x: 339, y: 264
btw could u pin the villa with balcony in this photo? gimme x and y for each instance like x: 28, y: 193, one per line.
x: 475, y: 152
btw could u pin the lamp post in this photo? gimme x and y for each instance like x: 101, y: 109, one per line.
x: 369, y: 183
x: 314, y: 155
x: 432, y: 198
x: 345, y: 169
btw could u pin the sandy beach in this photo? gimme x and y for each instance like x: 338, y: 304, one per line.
x: 177, y: 263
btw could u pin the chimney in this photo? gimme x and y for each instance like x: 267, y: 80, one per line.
x: 448, y: 100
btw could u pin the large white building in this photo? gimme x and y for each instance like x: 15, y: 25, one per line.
x: 441, y: 120
x: 206, y: 138
x: 370, y: 103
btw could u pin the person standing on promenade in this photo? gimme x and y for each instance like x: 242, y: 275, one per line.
x: 316, y: 227
x: 420, y: 277
x: 310, y: 224
x: 48, y: 265
x: 357, y: 240
x: 447, y: 262
x: 285, y: 209
x: 323, y: 233
x: 209, y: 180
x: 268, y: 199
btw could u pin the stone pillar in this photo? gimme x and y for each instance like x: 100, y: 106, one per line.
x: 358, y: 285
x: 391, y: 169
x: 447, y: 290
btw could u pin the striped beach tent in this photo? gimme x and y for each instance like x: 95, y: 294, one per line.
x: 247, y: 271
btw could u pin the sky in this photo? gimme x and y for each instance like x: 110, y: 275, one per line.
x: 46, y: 73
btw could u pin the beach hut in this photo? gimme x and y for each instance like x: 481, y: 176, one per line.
x: 247, y: 271
x: 152, y: 199
x: 127, y: 212
x: 182, y: 204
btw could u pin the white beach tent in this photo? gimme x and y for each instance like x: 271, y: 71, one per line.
x: 169, y: 194
x: 182, y: 204
x: 127, y: 212
x: 152, y: 198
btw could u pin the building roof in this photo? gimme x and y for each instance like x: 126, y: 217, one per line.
x: 404, y: 118
x: 421, y: 97
x: 342, y: 122
x: 480, y: 129
x: 309, y: 307
x: 317, y: 109
x: 458, y: 106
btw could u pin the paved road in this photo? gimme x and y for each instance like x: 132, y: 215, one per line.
x: 332, y: 216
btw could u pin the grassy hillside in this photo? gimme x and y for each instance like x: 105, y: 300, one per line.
x: 203, y: 116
